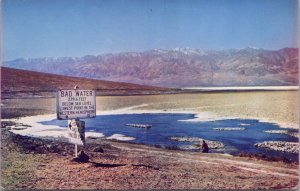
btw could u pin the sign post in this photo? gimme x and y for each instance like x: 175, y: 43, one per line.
x: 73, y: 105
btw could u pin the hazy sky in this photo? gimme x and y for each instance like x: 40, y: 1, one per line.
x: 55, y: 28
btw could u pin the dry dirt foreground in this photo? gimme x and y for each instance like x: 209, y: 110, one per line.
x: 130, y: 166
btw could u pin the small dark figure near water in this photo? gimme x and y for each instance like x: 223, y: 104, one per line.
x: 204, y: 147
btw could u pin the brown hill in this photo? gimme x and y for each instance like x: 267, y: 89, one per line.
x: 22, y: 83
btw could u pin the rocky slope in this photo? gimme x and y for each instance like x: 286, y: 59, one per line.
x: 178, y: 67
x: 21, y: 83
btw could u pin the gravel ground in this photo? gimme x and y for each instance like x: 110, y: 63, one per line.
x: 47, y: 164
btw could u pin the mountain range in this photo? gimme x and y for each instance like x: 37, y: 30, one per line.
x: 180, y: 67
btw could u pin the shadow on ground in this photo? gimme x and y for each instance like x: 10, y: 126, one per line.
x: 95, y: 164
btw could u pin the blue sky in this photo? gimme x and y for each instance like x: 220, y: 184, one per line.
x: 56, y: 28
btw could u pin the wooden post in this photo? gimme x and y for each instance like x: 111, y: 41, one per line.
x: 76, y: 150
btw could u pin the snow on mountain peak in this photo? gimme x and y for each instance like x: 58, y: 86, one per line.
x: 189, y: 51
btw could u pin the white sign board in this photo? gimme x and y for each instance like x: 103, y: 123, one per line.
x: 76, y: 131
x: 73, y: 104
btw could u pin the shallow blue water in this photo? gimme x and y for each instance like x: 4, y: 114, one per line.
x: 165, y: 126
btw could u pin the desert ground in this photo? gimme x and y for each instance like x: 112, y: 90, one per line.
x: 33, y: 163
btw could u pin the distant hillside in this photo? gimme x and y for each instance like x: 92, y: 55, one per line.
x: 179, y: 67
x: 22, y: 83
